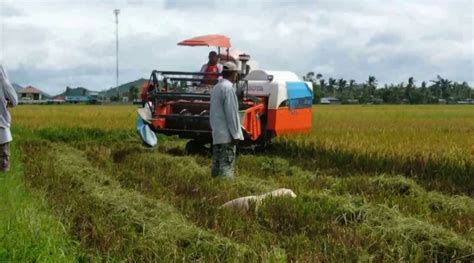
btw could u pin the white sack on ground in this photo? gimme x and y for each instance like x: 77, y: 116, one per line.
x: 243, y: 203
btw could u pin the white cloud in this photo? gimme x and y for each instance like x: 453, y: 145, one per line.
x: 72, y: 43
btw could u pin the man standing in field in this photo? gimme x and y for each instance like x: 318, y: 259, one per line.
x: 8, y: 98
x: 225, y: 123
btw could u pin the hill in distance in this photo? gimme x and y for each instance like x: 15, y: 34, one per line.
x: 124, y: 88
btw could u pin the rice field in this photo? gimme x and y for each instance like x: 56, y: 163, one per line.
x: 373, y: 183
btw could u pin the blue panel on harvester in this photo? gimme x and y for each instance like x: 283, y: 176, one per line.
x: 299, y: 95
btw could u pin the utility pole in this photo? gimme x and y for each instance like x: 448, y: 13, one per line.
x: 117, y: 12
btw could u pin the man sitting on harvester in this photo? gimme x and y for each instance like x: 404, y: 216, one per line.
x: 212, y: 66
x: 225, y: 123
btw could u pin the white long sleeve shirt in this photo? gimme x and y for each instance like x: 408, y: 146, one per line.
x: 224, y: 113
x: 7, y: 97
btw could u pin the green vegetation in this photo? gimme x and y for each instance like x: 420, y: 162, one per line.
x: 28, y: 230
x: 378, y: 183
x: 441, y: 90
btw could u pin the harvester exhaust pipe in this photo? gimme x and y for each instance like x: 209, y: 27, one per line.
x: 244, y: 58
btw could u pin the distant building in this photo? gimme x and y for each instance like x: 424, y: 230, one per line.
x: 79, y: 95
x: 58, y: 99
x: 377, y: 101
x: 329, y: 100
x: 353, y: 101
x: 451, y: 100
x: 31, y: 94
x: 463, y: 102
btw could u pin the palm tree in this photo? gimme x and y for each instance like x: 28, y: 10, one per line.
x: 133, y: 93
x: 409, y: 88
x: 423, y: 84
x: 372, y: 81
x: 372, y: 85
x: 322, y: 83
x: 351, y: 87
x: 331, y: 86
x: 443, y: 86
x: 319, y: 77
x: 309, y: 76
x: 341, y: 85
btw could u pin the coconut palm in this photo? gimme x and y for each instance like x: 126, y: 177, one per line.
x: 309, y: 76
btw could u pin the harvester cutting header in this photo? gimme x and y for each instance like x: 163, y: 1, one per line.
x: 271, y: 103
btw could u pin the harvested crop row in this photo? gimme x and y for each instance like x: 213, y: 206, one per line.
x: 453, y: 212
x: 122, y: 224
x: 185, y: 183
x: 337, y: 226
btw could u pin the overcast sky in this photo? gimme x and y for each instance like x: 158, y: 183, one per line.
x: 54, y: 44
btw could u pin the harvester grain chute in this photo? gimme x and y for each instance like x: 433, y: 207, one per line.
x: 272, y: 103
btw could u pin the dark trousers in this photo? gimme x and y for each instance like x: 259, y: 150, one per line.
x: 5, y: 157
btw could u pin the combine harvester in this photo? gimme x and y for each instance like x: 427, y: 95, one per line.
x: 272, y: 103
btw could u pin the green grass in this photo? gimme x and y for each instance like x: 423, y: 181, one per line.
x: 28, y: 230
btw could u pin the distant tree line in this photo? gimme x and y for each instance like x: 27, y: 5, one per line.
x: 348, y: 91
x: 131, y: 94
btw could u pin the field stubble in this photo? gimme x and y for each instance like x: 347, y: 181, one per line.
x: 122, y: 201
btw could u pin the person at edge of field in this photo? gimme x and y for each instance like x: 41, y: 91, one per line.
x: 8, y: 98
x: 225, y: 123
